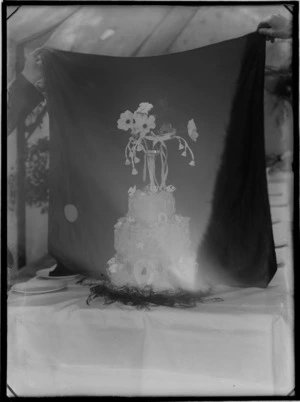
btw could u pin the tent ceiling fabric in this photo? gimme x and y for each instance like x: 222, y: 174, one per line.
x: 215, y: 18
x: 30, y: 21
x: 168, y: 31
x: 142, y: 30
x: 132, y: 25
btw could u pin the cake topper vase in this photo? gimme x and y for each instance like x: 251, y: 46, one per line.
x: 150, y: 157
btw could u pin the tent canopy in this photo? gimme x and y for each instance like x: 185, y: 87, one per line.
x: 135, y: 30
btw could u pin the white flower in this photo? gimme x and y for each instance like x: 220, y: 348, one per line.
x: 178, y: 218
x: 192, y: 130
x: 118, y: 225
x: 134, y: 171
x: 192, y: 163
x: 113, y: 268
x: 143, y: 123
x: 183, y: 153
x: 125, y: 121
x: 131, y: 191
x: 144, y: 108
x: 170, y: 188
x: 180, y: 147
x: 139, y: 147
x: 127, y: 162
x: 136, y: 160
x: 111, y: 261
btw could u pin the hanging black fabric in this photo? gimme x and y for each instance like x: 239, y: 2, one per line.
x: 225, y: 193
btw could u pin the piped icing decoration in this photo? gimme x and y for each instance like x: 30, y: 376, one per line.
x: 113, y: 266
x: 144, y: 271
x: 118, y: 224
x: 178, y: 218
x: 170, y: 189
x: 111, y: 261
x: 141, y: 125
x: 162, y: 217
x: 131, y: 191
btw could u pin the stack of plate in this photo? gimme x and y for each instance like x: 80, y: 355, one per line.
x: 40, y: 285
x: 45, y: 273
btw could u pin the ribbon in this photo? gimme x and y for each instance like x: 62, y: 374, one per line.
x: 151, y: 171
x: 145, y: 168
x: 164, y: 165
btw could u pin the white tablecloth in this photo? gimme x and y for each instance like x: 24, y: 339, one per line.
x: 58, y: 345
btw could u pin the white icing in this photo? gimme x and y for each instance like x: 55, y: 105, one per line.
x: 145, y: 208
x: 153, y: 244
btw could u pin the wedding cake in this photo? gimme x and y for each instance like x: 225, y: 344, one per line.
x: 152, y: 242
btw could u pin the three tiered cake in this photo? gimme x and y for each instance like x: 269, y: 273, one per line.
x: 152, y: 244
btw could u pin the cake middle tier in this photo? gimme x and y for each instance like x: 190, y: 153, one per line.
x: 147, y: 207
x: 167, y: 240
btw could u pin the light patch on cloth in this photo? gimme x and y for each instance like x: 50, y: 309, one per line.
x: 71, y: 213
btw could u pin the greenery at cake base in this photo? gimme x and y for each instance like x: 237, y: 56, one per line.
x: 146, y: 297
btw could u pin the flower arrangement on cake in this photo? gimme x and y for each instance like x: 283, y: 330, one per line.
x: 150, y: 143
x: 154, y: 263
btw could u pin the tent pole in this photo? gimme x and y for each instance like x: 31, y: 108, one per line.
x: 21, y: 175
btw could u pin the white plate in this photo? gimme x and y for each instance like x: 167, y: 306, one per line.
x: 45, y: 273
x: 38, y: 286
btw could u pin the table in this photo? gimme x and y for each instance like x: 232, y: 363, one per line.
x: 58, y: 345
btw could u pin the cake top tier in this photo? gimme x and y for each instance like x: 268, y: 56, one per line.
x: 148, y: 207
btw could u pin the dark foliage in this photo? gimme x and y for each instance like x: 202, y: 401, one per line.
x: 37, y: 171
x: 146, y: 298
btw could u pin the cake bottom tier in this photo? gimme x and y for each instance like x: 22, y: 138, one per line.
x: 159, y: 255
x: 159, y: 273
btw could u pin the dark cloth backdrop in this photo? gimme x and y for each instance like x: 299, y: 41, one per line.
x: 225, y: 194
